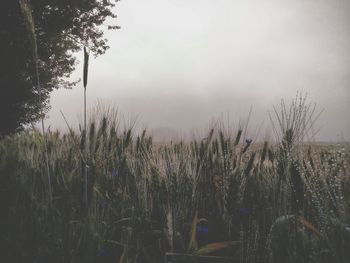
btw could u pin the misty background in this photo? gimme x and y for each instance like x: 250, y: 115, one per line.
x: 176, y: 64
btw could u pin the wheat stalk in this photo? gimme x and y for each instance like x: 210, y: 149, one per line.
x: 85, y: 76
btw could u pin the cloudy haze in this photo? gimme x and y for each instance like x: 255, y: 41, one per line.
x: 178, y: 63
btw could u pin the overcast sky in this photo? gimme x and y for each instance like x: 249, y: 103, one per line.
x: 178, y: 63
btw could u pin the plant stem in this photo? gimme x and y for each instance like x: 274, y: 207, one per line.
x: 44, y: 134
x: 85, y: 155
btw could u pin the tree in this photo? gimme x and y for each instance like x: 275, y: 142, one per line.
x: 62, y: 27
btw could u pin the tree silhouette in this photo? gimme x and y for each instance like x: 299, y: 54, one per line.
x: 62, y: 28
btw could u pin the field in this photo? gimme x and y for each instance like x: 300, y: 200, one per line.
x: 105, y: 193
x: 220, y: 196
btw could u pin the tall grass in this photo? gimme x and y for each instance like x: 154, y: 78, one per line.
x: 218, y: 196
x: 85, y: 78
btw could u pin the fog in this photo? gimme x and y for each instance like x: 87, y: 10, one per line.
x: 176, y: 64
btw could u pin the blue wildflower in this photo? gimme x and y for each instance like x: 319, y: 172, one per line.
x: 102, y: 203
x: 248, y: 141
x: 103, y: 252
x: 202, y: 229
x: 114, y: 174
x: 243, y: 211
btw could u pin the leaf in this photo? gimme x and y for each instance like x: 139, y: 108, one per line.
x: 122, y: 220
x: 308, y: 225
x: 170, y: 233
x: 95, y: 188
x: 123, y: 258
x: 238, y: 137
x: 213, y: 247
x: 193, y: 242
x: 286, y: 220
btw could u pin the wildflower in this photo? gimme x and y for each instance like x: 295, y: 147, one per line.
x: 114, y: 174
x: 248, y: 141
x: 243, y: 211
x: 103, y: 252
x: 202, y: 229
x: 102, y: 204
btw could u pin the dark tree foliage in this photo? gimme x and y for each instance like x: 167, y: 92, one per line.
x: 62, y: 28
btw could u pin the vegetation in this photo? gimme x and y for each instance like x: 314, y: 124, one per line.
x: 106, y: 194
x: 62, y: 28
x: 220, y: 196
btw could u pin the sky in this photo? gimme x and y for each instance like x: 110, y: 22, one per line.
x: 177, y: 64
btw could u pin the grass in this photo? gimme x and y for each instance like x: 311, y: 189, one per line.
x: 218, y: 196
